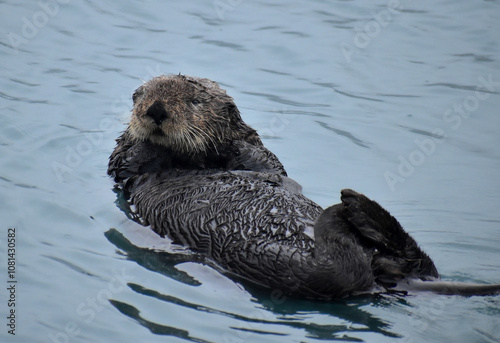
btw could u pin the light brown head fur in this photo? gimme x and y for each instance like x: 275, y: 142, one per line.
x: 189, y: 115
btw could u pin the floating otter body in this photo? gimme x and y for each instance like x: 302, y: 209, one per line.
x: 195, y: 172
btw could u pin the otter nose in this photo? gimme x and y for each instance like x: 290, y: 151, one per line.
x: 157, y: 112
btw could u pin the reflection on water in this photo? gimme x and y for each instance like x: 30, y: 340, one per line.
x: 157, y: 261
x: 398, y: 100
x: 284, y: 311
x: 157, y: 329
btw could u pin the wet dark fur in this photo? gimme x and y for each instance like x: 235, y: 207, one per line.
x: 198, y: 174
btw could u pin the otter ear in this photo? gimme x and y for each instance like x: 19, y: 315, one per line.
x: 137, y: 94
x: 232, y: 111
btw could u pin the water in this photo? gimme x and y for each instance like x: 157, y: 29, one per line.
x: 397, y: 101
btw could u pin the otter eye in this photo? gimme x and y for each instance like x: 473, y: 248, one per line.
x: 195, y: 102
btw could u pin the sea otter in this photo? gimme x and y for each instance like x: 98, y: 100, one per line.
x: 198, y: 174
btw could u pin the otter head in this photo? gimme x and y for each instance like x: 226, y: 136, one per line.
x: 187, y: 114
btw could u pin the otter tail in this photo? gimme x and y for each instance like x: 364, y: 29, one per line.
x: 448, y: 287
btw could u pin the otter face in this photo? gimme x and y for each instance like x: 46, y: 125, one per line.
x: 187, y: 114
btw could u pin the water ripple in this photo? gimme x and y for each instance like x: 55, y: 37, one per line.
x: 346, y: 134
x: 22, y: 99
x: 157, y: 329
x: 461, y: 87
x: 476, y: 57
x: 25, y: 83
x: 356, y: 96
x: 280, y: 100
x: 422, y: 132
x: 70, y: 265
x: 224, y: 44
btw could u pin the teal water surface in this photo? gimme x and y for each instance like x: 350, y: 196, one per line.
x: 396, y: 99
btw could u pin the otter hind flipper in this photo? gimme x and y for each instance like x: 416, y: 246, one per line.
x: 397, y: 255
x: 373, y: 222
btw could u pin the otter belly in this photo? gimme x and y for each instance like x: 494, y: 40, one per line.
x: 256, y: 226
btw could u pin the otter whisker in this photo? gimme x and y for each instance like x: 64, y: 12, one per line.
x: 189, y: 140
x: 208, y: 138
x: 185, y: 141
